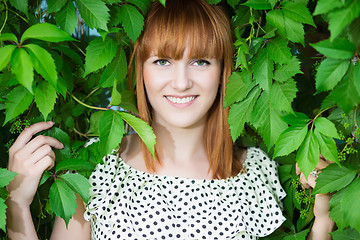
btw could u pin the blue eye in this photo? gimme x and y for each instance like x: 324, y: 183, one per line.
x: 161, y: 62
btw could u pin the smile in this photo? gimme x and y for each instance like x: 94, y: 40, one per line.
x: 182, y: 100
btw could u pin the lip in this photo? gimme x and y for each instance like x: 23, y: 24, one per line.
x: 181, y: 105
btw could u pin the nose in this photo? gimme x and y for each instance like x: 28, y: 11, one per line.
x: 182, y: 79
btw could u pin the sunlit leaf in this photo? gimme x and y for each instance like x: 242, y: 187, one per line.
x: 20, y: 5
x: 327, y: 147
x: 263, y: 70
x: 258, y: 4
x: 142, y: 128
x: 330, y: 73
x: 55, y: 5
x: 94, y: 12
x: 78, y: 183
x: 282, y: 95
x: 325, y: 6
x: 240, y: 113
x: 46, y: 32
x: 350, y: 198
x: 45, y: 98
x: 3, y: 208
x: 67, y: 18
x: 74, y: 164
x: 99, y: 53
x: 22, y: 67
x: 308, y: 153
x: 132, y: 21
x: 62, y: 200
x: 278, y: 50
x: 236, y: 88
x: 290, y: 140
x: 340, y: 48
x: 8, y: 37
x: 333, y: 178
x: 43, y: 63
x: 111, y: 129
x: 115, y: 71
x: 17, y: 102
x: 6, y: 53
x: 298, y: 12
x: 347, y: 234
x: 6, y: 176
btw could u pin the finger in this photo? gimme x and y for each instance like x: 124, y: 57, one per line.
x: 43, y: 164
x: 28, y: 133
x: 297, y: 169
x: 41, y: 153
x: 311, y: 180
x: 323, y: 163
x: 304, y: 182
x: 41, y: 140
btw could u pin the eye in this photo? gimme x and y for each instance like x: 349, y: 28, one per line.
x: 201, y: 63
x: 162, y: 62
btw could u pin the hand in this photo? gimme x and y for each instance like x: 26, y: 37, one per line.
x: 30, y: 158
x: 321, y: 205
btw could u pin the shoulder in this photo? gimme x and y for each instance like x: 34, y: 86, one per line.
x: 131, y: 152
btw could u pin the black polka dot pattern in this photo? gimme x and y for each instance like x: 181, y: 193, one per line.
x: 126, y: 203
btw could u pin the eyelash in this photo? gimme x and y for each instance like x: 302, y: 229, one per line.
x: 205, y: 62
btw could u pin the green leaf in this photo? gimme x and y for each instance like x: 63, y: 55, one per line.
x: 8, y: 37
x: 233, y: 3
x: 340, y: 18
x: 143, y: 5
x: 74, y: 164
x: 258, y: 4
x: 94, y: 12
x: 240, y: 113
x: 236, y: 88
x: 62, y: 200
x: 347, y: 92
x: 350, y: 198
x: 21, y: 5
x: 132, y: 21
x: 45, y: 98
x: 298, y: 12
x: 288, y: 70
x: 46, y: 32
x: 326, y: 127
x: 55, y: 5
x: 278, y: 50
x: 290, y: 140
x: 115, y: 71
x: 308, y: 153
x: 347, y: 234
x: 18, y: 101
x: 44, y: 177
x: 338, y: 49
x: 282, y: 95
x: 6, y: 53
x: 111, y: 129
x: 115, y: 95
x: 6, y: 176
x: 263, y: 70
x: 330, y: 73
x: 287, y: 27
x: 325, y: 6
x: 94, y: 122
x: 99, y: 53
x: 142, y: 128
x: 267, y: 120
x: 336, y: 209
x: 128, y: 101
x: 43, y: 63
x: 78, y: 183
x: 327, y: 147
x: 22, y: 67
x: 3, y: 208
x: 64, y: 138
x: 297, y: 236
x: 163, y: 2
x: 333, y: 178
x: 66, y: 18
x: 210, y: 1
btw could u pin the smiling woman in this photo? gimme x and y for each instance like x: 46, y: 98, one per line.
x: 197, y: 185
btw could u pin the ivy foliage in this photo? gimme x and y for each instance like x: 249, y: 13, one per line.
x: 294, y: 91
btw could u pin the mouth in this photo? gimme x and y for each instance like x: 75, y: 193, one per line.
x: 181, y: 100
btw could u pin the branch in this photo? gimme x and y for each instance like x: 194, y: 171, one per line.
x: 86, y: 105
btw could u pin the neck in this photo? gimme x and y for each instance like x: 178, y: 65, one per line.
x: 180, y: 145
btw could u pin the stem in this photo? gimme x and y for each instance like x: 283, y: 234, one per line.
x: 81, y: 134
x: 6, y: 17
x: 78, y: 48
x: 86, y: 105
x: 90, y: 94
x: 18, y: 15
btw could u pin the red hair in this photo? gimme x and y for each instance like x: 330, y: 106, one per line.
x: 206, y: 30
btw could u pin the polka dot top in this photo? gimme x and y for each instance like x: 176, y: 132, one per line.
x: 126, y: 203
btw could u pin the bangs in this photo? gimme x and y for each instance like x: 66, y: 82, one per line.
x: 170, y: 30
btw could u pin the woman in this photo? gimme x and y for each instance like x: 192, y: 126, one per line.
x: 198, y: 186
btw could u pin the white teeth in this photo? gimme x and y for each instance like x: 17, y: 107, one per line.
x: 180, y: 100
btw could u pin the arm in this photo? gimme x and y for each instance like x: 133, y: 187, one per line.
x: 29, y: 157
x: 323, y: 224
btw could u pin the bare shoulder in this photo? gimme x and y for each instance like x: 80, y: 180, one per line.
x: 241, y: 154
x: 131, y: 153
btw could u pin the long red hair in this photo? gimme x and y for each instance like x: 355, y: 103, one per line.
x: 206, y: 30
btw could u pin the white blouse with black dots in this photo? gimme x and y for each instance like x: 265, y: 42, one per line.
x: 126, y: 203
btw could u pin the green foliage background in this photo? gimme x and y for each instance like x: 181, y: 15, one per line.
x: 295, y: 92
